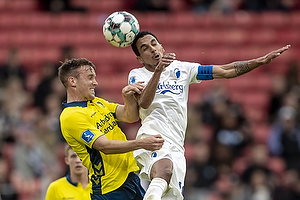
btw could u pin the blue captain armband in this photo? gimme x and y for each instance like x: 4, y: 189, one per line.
x: 205, y: 72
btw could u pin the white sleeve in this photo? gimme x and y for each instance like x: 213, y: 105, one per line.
x: 192, y: 70
x: 134, y: 76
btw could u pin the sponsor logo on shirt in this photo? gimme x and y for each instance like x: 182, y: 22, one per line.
x: 87, y: 136
x: 106, y: 123
x: 169, y: 87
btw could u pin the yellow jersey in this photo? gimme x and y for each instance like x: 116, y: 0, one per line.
x: 81, y: 124
x: 64, y: 188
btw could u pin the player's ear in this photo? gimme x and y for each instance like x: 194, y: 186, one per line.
x: 162, y: 48
x: 67, y: 161
x: 140, y: 60
x: 72, y: 81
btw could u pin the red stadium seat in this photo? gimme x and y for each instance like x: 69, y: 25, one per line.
x: 276, y: 20
x: 19, y: 6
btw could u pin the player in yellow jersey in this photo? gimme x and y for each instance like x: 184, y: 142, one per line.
x: 89, y: 125
x: 73, y: 186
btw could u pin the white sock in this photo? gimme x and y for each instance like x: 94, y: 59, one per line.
x: 156, y: 188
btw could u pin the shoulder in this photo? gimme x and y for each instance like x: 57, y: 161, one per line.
x: 137, y: 71
x: 184, y: 63
x: 99, y: 100
x: 72, y: 113
x: 57, y: 184
x: 105, y: 104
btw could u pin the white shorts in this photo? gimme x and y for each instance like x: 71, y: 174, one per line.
x: 145, y: 160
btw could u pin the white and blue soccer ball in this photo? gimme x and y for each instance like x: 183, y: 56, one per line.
x: 120, y: 28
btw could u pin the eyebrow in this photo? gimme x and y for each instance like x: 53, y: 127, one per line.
x: 153, y: 40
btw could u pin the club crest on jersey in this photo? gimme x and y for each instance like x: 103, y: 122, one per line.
x: 87, y: 136
x: 132, y: 80
x: 153, y: 154
x: 176, y: 73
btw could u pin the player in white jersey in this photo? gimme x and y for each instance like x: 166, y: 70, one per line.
x: 163, y: 108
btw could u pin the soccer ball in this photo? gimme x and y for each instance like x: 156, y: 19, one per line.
x: 120, y: 28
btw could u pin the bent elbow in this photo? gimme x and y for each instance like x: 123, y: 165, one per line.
x: 132, y: 120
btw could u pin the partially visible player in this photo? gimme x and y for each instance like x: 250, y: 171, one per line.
x: 90, y: 125
x: 163, y: 108
x: 73, y: 186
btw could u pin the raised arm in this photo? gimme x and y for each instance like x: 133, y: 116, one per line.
x: 107, y: 146
x: 146, y: 97
x: 129, y: 112
x: 238, y: 68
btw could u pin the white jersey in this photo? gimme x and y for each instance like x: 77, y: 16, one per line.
x: 167, y: 115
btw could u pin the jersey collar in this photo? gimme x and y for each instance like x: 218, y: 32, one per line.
x: 74, y: 104
x: 68, y: 177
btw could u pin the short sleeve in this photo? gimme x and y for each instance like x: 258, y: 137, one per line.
x: 77, y: 127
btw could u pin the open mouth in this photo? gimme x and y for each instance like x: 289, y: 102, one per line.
x: 156, y: 56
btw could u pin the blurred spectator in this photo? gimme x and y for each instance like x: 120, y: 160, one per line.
x: 214, y: 6
x: 235, y: 131
x: 200, y: 6
x: 255, y: 5
x: 257, y: 160
x: 12, y: 68
x: 13, y: 99
x: 151, y: 5
x: 293, y: 75
x: 225, y: 184
x: 57, y: 6
x: 257, y: 188
x: 278, y: 92
x: 257, y: 180
x: 7, y: 192
x: 44, y: 87
x: 225, y: 6
x: 285, y: 91
x: 49, y: 82
x: 290, y: 5
x: 201, y: 174
x: 284, y: 137
x: 231, y: 130
x: 214, y: 105
x: 263, y: 5
x: 31, y: 159
x: 67, y: 52
x: 289, y: 187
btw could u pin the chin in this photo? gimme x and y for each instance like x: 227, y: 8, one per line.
x: 91, y: 98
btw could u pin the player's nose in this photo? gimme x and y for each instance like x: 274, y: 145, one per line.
x: 95, y: 82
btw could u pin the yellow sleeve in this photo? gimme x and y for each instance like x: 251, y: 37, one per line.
x: 110, y: 106
x: 77, y: 126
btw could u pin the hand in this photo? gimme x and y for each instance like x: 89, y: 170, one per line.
x: 166, y: 60
x: 152, y: 143
x: 132, y: 89
x: 274, y: 54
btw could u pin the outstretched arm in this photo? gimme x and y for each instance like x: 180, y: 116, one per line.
x: 107, y: 146
x: 238, y: 68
